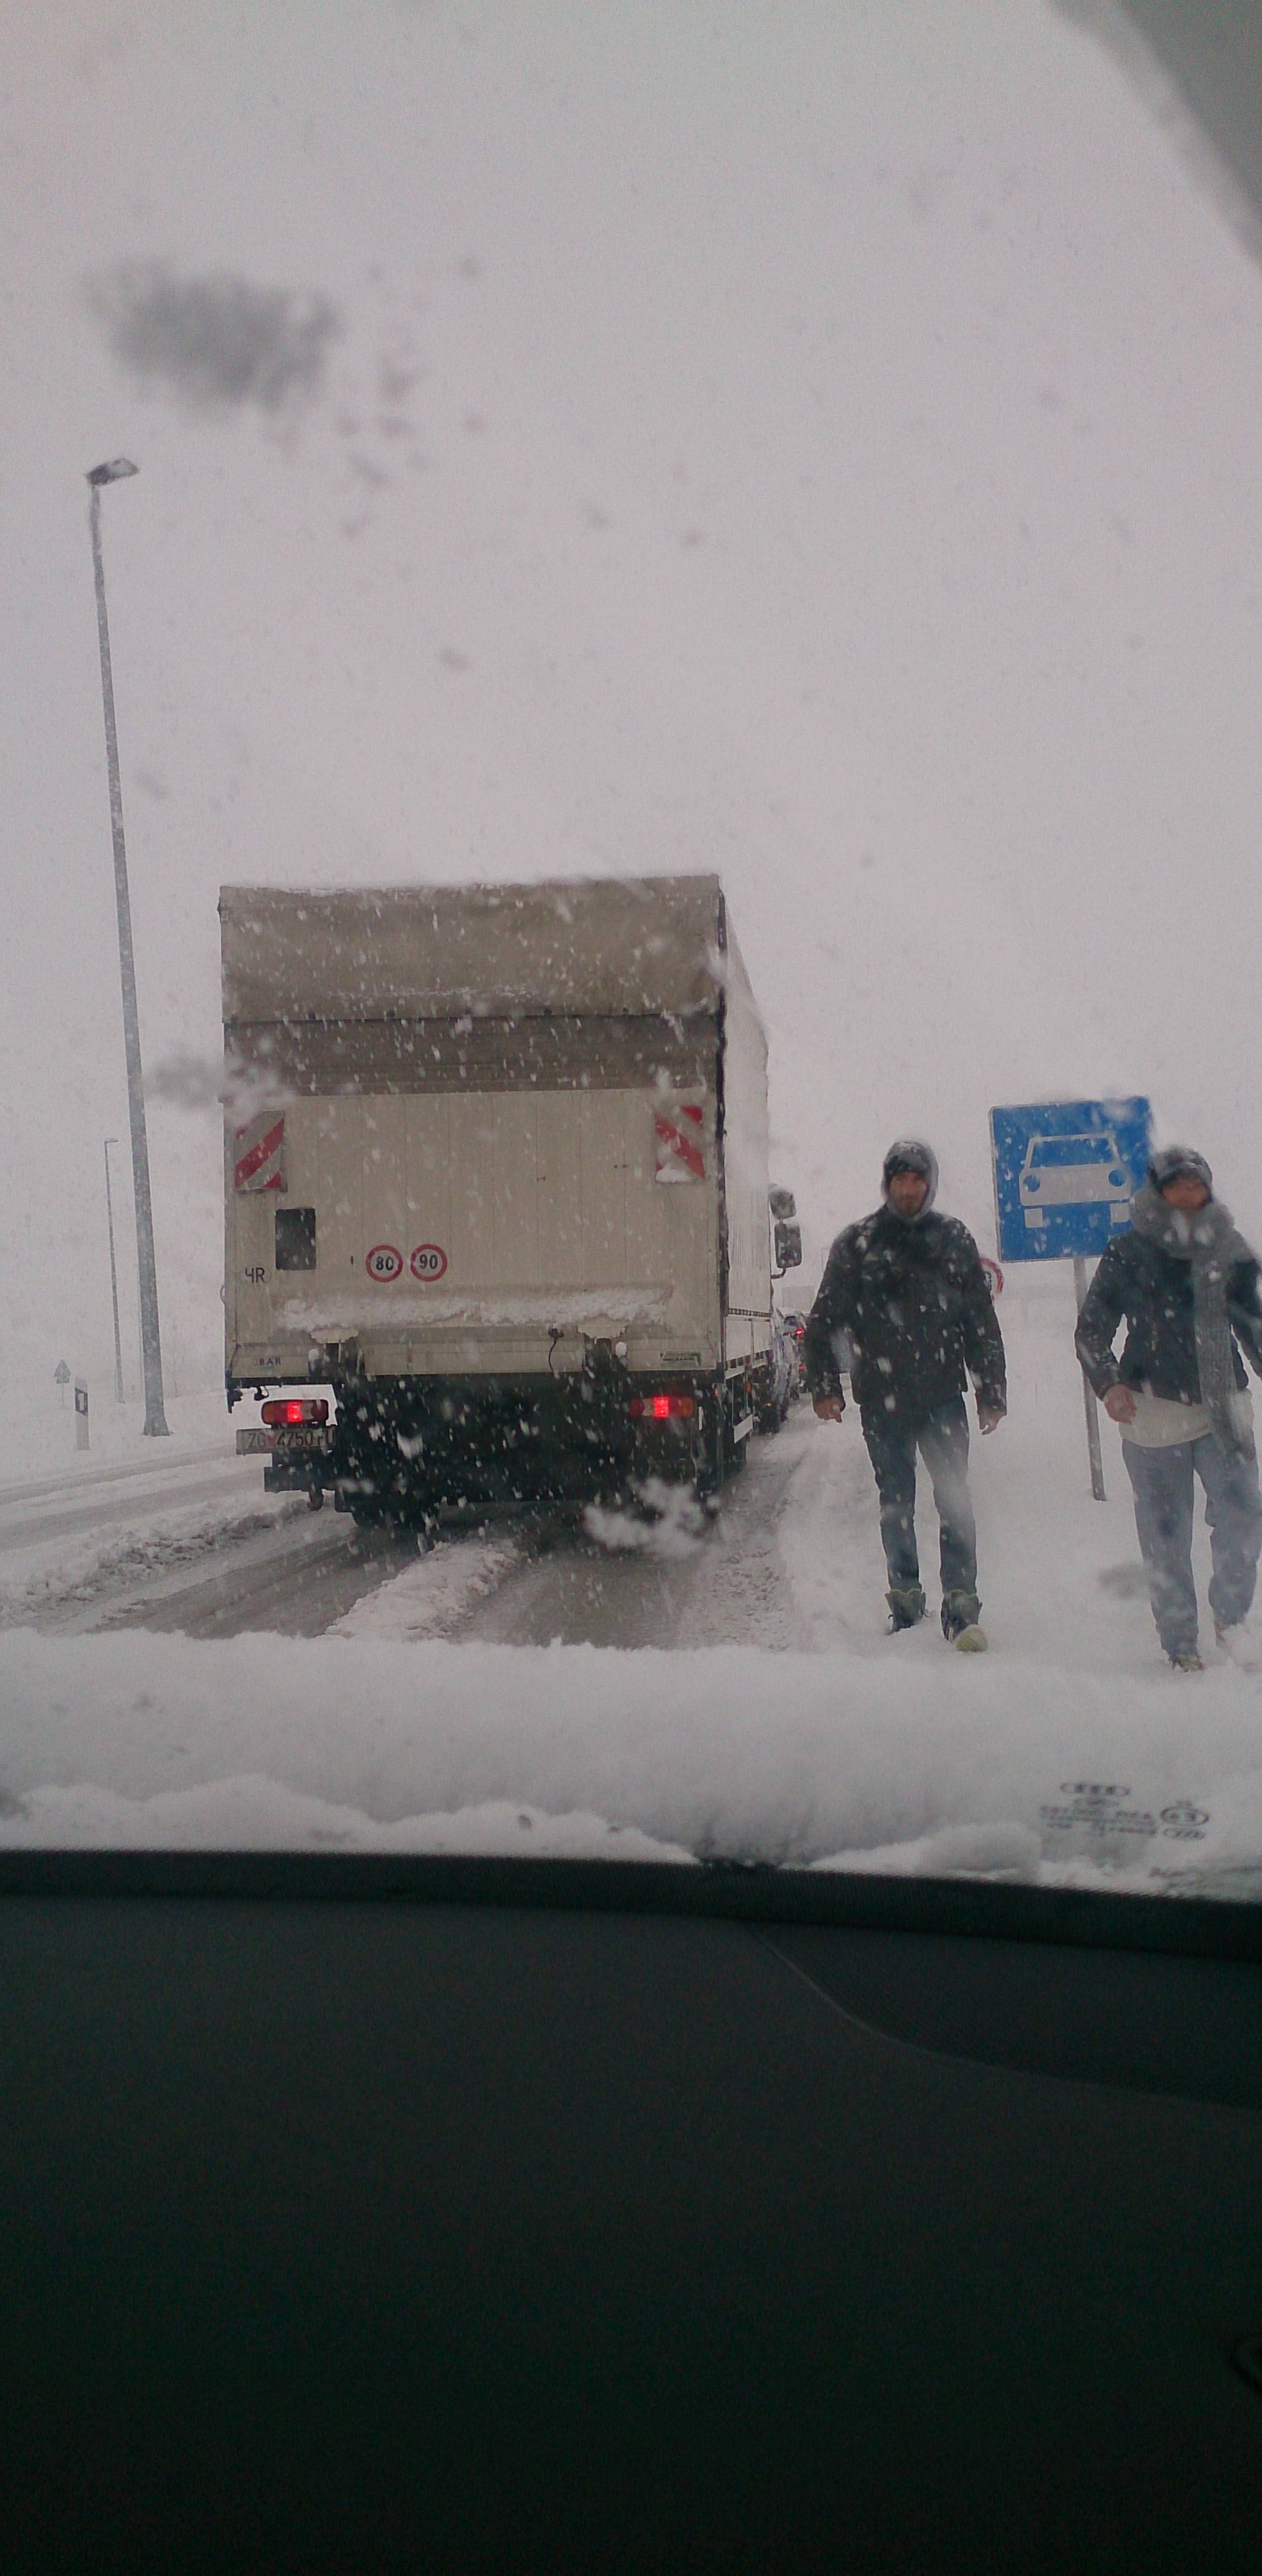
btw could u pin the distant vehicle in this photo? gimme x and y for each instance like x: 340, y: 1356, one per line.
x: 504, y: 1191
x: 1074, y: 1171
x: 795, y: 1331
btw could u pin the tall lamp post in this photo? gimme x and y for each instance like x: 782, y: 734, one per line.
x: 150, y: 1339
x: 109, y: 1219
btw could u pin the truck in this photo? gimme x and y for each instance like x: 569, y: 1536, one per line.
x: 497, y: 1194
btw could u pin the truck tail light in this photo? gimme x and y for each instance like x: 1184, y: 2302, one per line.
x: 662, y: 1408
x: 295, y: 1408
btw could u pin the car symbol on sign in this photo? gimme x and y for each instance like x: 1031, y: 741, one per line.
x: 1074, y: 1171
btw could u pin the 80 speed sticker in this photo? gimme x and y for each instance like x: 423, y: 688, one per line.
x: 384, y: 1262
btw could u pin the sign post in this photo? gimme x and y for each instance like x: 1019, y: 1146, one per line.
x: 61, y: 1380
x: 1065, y: 1174
x: 1094, y: 1458
x: 80, y: 1414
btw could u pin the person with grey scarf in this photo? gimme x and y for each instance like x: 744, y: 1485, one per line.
x: 1189, y: 1287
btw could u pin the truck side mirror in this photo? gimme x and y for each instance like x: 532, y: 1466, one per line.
x: 788, y: 1239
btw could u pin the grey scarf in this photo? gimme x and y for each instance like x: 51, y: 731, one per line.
x: 1207, y: 1239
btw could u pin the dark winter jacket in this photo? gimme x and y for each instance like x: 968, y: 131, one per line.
x: 1153, y: 1290
x: 910, y: 1301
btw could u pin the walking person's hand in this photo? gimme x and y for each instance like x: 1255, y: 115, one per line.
x: 1119, y: 1404
x: 989, y: 1417
x: 830, y: 1408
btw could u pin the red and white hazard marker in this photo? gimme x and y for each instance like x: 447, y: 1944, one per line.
x: 384, y: 1263
x: 260, y: 1153
x: 677, y: 1141
x: 428, y: 1261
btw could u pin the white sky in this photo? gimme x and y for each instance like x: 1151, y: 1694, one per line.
x: 832, y: 458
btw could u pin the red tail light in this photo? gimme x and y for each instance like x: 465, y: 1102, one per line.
x: 295, y: 1408
x: 662, y: 1408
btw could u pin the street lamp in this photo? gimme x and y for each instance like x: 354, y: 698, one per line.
x: 109, y: 1219
x: 150, y: 1340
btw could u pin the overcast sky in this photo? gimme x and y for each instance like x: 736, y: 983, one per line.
x: 816, y: 442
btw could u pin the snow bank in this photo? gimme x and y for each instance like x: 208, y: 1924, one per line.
x: 809, y: 1759
x: 539, y: 1310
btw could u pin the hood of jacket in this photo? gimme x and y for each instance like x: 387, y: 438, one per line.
x: 910, y: 1154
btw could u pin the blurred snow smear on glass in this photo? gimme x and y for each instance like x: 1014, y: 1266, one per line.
x: 185, y: 1080
x: 1198, y: 65
x: 217, y: 341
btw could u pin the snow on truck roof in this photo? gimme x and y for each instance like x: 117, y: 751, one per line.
x: 605, y: 945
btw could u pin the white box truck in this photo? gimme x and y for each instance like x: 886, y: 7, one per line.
x: 496, y: 1176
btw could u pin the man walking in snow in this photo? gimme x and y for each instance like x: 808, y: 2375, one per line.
x: 904, y: 1296
x: 1188, y: 1286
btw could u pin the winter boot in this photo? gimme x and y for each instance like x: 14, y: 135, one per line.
x: 961, y: 1613
x: 1187, y: 1660
x: 907, y: 1606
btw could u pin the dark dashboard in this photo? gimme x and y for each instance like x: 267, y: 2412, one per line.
x: 475, y: 2215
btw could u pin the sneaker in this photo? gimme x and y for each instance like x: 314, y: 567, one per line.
x: 1187, y: 1661
x: 960, y: 1612
x: 1239, y: 1646
x: 907, y: 1607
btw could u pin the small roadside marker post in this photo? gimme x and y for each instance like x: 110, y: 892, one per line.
x: 61, y: 1380
x: 80, y: 1414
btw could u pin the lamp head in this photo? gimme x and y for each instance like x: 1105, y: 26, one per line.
x: 115, y: 472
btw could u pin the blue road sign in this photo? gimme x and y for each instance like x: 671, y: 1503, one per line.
x: 1065, y: 1174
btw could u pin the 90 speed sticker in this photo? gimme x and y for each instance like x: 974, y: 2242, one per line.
x: 428, y: 1261
x: 383, y: 1263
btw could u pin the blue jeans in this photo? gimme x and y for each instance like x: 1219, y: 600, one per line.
x: 942, y: 1440
x: 1163, y: 1480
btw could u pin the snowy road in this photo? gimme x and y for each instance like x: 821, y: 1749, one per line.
x: 30, y: 1517
x: 301, y: 1576
x: 190, y: 1661
x: 293, y: 1583
x: 724, y: 1587
x: 190, y: 1545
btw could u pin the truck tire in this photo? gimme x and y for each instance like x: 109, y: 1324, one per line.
x: 712, y: 1454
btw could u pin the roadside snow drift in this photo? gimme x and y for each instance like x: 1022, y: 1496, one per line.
x: 729, y: 1753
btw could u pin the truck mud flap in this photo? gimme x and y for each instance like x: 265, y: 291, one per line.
x: 287, y: 1478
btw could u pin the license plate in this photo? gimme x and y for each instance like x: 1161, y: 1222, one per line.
x: 255, y: 1443
x: 305, y: 1436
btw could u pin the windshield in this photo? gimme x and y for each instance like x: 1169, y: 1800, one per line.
x: 633, y: 816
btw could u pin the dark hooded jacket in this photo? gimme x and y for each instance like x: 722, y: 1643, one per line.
x: 1153, y: 1290
x: 906, y: 1300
